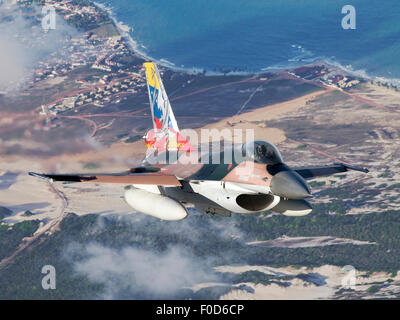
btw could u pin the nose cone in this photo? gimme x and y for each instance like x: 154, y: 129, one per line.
x: 289, y: 184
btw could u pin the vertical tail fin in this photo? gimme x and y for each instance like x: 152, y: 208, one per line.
x: 163, y: 117
x: 165, y: 134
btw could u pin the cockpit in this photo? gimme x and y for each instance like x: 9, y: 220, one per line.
x: 261, y: 151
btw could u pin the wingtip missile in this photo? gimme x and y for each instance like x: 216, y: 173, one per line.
x: 347, y: 166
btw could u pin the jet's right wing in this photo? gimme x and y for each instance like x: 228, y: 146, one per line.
x: 153, y: 178
x: 313, y: 172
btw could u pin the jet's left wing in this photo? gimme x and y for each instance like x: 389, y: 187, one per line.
x: 153, y: 178
x: 313, y: 172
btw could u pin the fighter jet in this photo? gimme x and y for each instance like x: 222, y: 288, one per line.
x: 255, y: 181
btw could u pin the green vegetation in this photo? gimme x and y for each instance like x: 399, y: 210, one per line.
x: 148, y: 234
x: 386, y: 174
x: 157, y: 236
x: 316, y: 184
x: 11, y: 236
x: 258, y: 277
x: 86, y: 22
x: 255, y: 277
x: 394, y: 186
x: 303, y: 146
x: 373, y: 289
x: 24, y: 276
x: 334, y: 206
x: 106, y: 30
x: 383, y: 228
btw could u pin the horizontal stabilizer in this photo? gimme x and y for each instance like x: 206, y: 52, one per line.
x: 313, y: 172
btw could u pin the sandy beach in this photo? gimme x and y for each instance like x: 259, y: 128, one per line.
x: 256, y: 119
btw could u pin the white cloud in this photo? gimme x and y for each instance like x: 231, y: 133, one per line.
x: 22, y: 47
x: 135, y: 270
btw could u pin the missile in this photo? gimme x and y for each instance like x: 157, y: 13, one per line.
x: 293, y: 207
x: 156, y: 205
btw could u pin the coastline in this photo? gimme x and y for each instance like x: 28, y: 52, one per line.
x: 122, y: 29
x: 126, y: 32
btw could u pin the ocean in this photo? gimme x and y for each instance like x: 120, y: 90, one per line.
x: 255, y: 36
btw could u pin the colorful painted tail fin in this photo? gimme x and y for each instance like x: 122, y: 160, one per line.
x: 165, y: 134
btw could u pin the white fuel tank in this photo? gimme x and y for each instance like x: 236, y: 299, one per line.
x: 156, y: 205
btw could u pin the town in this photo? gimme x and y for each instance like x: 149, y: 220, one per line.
x: 97, y: 57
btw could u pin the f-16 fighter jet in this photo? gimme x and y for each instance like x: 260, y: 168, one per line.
x: 255, y: 180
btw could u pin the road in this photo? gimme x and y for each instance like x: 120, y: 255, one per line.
x: 51, y: 226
